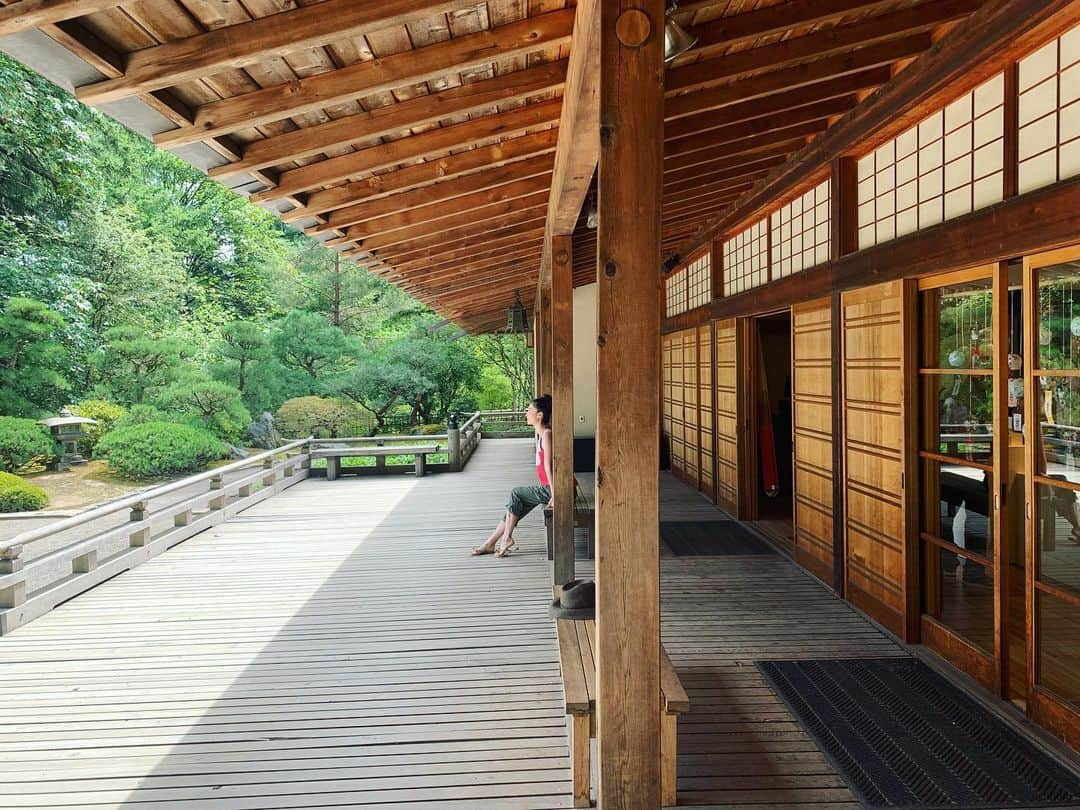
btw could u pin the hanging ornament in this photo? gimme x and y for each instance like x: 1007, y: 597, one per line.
x: 1074, y: 326
x: 1044, y: 336
x: 957, y: 358
x: 1016, y: 362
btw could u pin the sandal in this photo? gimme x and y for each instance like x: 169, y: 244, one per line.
x: 504, y: 551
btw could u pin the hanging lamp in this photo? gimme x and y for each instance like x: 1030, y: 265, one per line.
x: 517, y: 320
x: 677, y: 40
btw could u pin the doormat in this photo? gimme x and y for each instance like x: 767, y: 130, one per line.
x: 902, y: 736
x: 716, y: 538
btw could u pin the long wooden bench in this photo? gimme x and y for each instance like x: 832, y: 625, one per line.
x: 577, y: 642
x: 333, y: 456
x: 584, y: 518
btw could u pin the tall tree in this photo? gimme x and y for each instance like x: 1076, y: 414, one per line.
x: 29, y: 359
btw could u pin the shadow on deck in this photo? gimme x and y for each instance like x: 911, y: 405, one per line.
x: 336, y: 646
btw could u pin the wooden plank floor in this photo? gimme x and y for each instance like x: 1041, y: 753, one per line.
x: 334, y: 646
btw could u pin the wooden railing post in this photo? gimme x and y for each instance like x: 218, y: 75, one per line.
x: 216, y: 483
x: 139, y: 537
x: 271, y: 476
x: 12, y: 594
x: 453, y: 439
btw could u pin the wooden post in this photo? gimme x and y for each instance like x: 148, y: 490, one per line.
x: 628, y: 377
x: 562, y: 394
x: 543, y: 337
x: 14, y: 593
x: 216, y: 484
x: 453, y: 443
x: 139, y: 537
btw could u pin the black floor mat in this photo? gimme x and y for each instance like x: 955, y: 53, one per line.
x: 703, y: 538
x: 902, y: 736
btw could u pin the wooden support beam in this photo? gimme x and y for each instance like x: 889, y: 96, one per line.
x: 924, y: 17
x: 372, y: 77
x: 246, y: 44
x: 481, y: 232
x: 413, y: 113
x: 542, y: 341
x: 561, y: 251
x: 576, y: 156
x: 414, y: 147
x: 628, y: 381
x: 424, y: 174
x: 797, y: 134
x: 501, y: 215
x: 993, y: 37
x: 437, y: 209
x: 25, y: 15
x: 407, y: 256
x: 481, y: 260
x: 730, y: 162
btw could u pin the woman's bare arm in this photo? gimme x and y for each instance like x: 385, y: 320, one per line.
x: 545, y: 443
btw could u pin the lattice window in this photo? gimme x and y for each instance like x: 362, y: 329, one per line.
x: 1049, y: 115
x: 746, y: 259
x: 949, y: 164
x: 800, y: 232
x: 676, y: 293
x: 699, y: 280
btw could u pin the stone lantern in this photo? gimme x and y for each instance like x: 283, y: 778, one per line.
x: 67, y: 429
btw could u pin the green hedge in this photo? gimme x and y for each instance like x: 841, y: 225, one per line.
x: 22, y: 441
x: 157, y: 449
x: 16, y: 495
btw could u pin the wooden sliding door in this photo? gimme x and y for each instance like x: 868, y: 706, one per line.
x: 691, y: 429
x: 874, y: 365
x: 727, y: 417
x: 812, y: 406
x: 706, y: 417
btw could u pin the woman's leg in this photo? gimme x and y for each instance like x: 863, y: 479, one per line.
x: 507, y: 539
x: 488, y: 545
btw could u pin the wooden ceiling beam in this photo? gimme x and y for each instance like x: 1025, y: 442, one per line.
x: 516, y: 222
x: 422, y: 111
x: 993, y: 37
x: 924, y: 17
x: 248, y: 43
x: 706, y: 203
x: 744, y: 131
x: 768, y: 105
x: 379, y: 186
x: 674, y: 201
x: 488, y: 268
x: 793, y: 137
x: 442, y: 192
x: 478, y: 259
x: 579, y: 126
x: 809, y: 73
x: 486, y: 290
x: 507, y: 211
x: 414, y: 147
x: 469, y: 205
x: 742, y: 168
x: 25, y: 15
x: 505, y: 240
x: 728, y: 162
x: 374, y: 76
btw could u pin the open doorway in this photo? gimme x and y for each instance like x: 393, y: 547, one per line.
x: 772, y: 427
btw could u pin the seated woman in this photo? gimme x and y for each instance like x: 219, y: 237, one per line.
x: 524, y: 499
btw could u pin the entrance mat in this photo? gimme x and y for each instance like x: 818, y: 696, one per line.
x: 715, y: 538
x: 903, y: 736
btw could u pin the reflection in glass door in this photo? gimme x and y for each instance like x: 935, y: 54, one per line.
x: 961, y: 464
x: 1052, y: 288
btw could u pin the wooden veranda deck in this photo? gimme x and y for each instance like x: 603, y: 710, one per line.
x: 336, y: 646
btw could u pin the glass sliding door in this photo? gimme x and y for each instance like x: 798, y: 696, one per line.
x: 1052, y: 290
x: 962, y: 464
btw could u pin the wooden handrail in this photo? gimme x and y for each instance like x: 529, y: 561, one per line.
x: 32, y: 535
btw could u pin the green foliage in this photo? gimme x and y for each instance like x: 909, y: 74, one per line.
x: 133, y: 364
x: 157, y: 449
x: 321, y: 417
x: 105, y: 413
x: 29, y: 358
x: 208, y: 404
x: 140, y: 415
x: 17, y: 495
x: 379, y: 384
x: 305, y: 342
x: 23, y: 441
x: 431, y: 430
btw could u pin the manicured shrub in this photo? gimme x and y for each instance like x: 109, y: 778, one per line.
x: 157, y: 449
x: 140, y: 415
x: 105, y: 413
x: 322, y: 417
x: 17, y: 495
x: 430, y: 430
x: 22, y: 441
x: 209, y: 404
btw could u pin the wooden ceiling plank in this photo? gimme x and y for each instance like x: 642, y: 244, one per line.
x: 809, y: 73
x: 443, y: 209
x: 372, y: 76
x: 25, y: 15
x: 379, y: 186
x: 391, y: 119
x: 239, y: 46
x: 690, y: 181
x: 413, y: 147
x: 518, y: 221
x: 923, y: 17
x: 792, y: 138
x: 423, y: 268
x: 404, y: 257
x: 472, y: 269
x: 442, y: 192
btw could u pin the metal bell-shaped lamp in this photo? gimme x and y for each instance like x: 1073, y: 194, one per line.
x: 677, y: 40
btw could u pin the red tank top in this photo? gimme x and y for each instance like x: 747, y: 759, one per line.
x: 541, y: 473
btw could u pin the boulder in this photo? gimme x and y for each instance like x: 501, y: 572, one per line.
x: 263, y: 432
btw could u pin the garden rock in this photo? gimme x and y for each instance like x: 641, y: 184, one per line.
x: 263, y: 432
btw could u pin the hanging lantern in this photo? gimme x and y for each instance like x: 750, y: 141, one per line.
x: 1044, y: 336
x: 517, y: 320
x: 677, y: 40
x: 1074, y: 326
x: 957, y: 358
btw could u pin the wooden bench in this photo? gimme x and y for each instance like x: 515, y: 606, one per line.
x: 584, y: 518
x: 577, y: 641
x: 333, y: 456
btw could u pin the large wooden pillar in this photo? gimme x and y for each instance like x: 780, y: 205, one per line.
x: 542, y: 339
x: 562, y: 393
x: 628, y: 375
